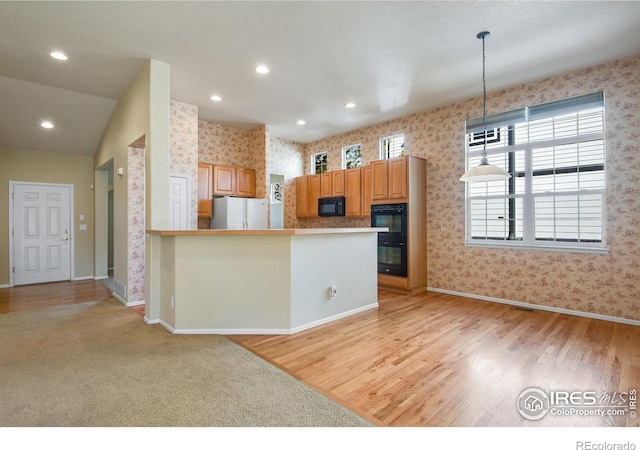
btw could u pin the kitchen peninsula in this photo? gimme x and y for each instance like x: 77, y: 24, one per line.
x: 259, y: 281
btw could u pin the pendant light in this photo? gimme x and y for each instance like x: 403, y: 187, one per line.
x: 485, y: 171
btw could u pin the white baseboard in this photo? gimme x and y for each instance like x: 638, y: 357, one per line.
x: 82, y: 278
x: 230, y: 331
x: 101, y: 278
x: 539, y: 307
x: 2, y: 286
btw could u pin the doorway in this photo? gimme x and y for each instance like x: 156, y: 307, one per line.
x: 276, y: 201
x: 41, y: 238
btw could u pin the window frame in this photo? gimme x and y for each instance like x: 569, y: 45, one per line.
x: 344, y: 155
x: 383, y: 154
x: 314, y: 166
x: 528, y: 196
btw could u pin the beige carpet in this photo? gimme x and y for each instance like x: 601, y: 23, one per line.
x: 98, y: 364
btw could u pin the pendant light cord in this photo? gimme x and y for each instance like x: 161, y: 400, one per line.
x: 484, y: 105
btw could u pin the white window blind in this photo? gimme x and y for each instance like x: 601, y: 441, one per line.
x: 555, y: 197
x: 392, y: 146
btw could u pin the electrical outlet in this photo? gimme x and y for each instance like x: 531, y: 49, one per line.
x: 333, y: 292
x: 172, y: 302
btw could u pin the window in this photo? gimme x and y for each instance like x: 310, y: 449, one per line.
x: 555, y: 198
x: 319, y: 162
x: 351, y: 156
x: 392, y: 146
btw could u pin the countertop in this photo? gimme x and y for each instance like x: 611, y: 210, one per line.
x: 278, y: 232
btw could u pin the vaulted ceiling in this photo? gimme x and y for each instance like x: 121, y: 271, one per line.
x: 389, y: 58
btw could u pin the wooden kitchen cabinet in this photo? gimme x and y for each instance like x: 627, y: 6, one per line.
x: 245, y: 183
x: 326, y: 185
x: 366, y: 179
x: 205, y: 203
x: 224, y: 180
x: 233, y: 181
x: 332, y: 184
x: 389, y: 179
x: 307, y: 194
x: 337, y: 183
x: 353, y: 192
x: 397, y: 179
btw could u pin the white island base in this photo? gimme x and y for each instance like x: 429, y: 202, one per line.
x: 258, y: 281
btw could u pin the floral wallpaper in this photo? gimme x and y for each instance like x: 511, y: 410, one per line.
x: 136, y: 228
x: 286, y: 158
x: 184, y: 151
x: 227, y: 146
x: 602, y: 284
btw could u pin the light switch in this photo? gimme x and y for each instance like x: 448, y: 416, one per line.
x: 81, y: 216
x: 83, y: 227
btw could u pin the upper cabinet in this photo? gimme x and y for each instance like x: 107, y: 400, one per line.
x: 307, y: 194
x: 222, y: 181
x: 367, y: 189
x: 245, y: 183
x: 353, y: 192
x: 389, y: 179
x: 233, y: 181
x: 332, y: 184
x: 382, y: 181
x: 205, y: 178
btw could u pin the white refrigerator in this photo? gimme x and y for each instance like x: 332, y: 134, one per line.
x: 237, y: 213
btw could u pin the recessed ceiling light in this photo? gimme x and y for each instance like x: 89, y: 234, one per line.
x: 262, y: 69
x: 46, y: 124
x: 350, y: 105
x: 301, y: 122
x: 216, y: 98
x: 59, y: 55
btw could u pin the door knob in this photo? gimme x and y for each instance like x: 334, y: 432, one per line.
x: 66, y: 238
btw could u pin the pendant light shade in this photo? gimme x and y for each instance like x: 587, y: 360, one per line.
x: 485, y: 171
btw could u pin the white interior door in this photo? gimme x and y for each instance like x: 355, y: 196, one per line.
x: 178, y: 203
x: 41, y: 233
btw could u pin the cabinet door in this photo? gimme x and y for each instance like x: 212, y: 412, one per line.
x: 397, y: 172
x: 205, y: 203
x: 353, y: 192
x: 366, y: 190
x: 313, y: 191
x: 325, y: 185
x: 337, y: 184
x: 224, y: 180
x: 302, y: 197
x: 379, y: 180
x: 245, y: 183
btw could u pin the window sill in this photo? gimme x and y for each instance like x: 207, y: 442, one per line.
x: 553, y: 248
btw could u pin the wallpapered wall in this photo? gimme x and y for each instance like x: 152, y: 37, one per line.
x: 602, y: 284
x: 184, y: 151
x: 136, y: 225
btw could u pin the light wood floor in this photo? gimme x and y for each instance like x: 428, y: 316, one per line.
x: 439, y: 360
x: 36, y: 296
x: 431, y: 359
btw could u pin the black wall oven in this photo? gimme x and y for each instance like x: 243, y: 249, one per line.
x: 392, y: 245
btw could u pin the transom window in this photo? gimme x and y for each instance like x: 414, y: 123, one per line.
x: 319, y: 162
x: 352, y: 156
x: 555, y: 198
x: 392, y: 146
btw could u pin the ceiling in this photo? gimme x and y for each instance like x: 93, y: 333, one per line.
x: 390, y: 58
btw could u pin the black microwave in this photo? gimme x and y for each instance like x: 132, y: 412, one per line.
x: 331, y: 206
